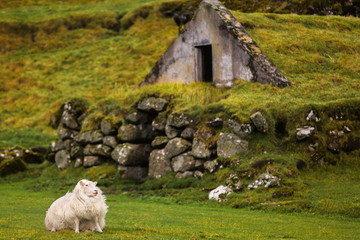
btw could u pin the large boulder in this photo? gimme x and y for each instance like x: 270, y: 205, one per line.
x: 183, y: 162
x: 152, y: 104
x: 242, y: 130
x: 260, y: 122
x: 176, y: 146
x: 129, y: 154
x: 200, y: 149
x: 134, y: 173
x: 62, y: 159
x: 159, y: 164
x: 229, y: 145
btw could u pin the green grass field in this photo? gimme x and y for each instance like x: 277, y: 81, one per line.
x: 22, y: 213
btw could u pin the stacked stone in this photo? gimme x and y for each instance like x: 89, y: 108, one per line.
x: 132, y: 154
x: 66, y: 148
x: 150, y: 143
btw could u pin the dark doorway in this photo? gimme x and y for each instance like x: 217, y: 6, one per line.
x: 205, y: 66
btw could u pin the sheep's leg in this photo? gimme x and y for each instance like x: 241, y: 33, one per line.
x: 98, y: 228
x: 77, y: 222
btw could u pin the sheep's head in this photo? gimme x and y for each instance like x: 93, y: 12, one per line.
x: 89, y: 188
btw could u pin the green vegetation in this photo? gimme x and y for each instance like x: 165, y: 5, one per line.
x: 166, y: 217
x: 97, y: 52
x: 47, y: 61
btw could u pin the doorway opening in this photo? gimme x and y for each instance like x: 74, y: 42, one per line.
x: 204, y: 63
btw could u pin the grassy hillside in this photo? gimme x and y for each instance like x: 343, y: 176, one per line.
x: 52, y: 53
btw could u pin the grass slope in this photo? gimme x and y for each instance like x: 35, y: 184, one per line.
x: 158, y: 218
x: 59, y: 55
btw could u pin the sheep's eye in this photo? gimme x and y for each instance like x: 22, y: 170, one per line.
x: 86, y: 185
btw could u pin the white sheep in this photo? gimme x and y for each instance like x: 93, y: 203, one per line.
x: 82, y: 209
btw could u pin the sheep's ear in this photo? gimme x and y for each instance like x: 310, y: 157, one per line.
x: 82, y: 183
x: 95, y: 183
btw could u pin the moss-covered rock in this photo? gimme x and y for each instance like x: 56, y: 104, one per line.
x: 10, y: 166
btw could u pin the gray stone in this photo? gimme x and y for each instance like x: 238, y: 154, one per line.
x: 78, y: 163
x: 129, y: 133
x: 215, y: 123
x: 172, y: 132
x: 152, y: 104
x: 89, y: 137
x: 67, y: 144
x: 211, y: 166
x: 57, y: 146
x: 242, y: 130
x: 234, y: 54
x: 62, y: 159
x: 159, y: 164
x: 110, y: 141
x: 220, y: 193
x: 186, y: 174
x: 305, y: 132
x: 69, y: 121
x: 229, y: 145
x: 179, y: 120
x: 129, y: 154
x: 233, y: 182
x: 182, y: 163
x: 76, y: 150
x: 260, y: 122
x: 176, y: 146
x: 159, y: 122
x: 133, y: 173
x: 107, y: 128
x: 199, y: 164
x: 188, y: 133
x: 198, y: 174
x: 200, y: 150
x: 97, y: 150
x: 265, y: 180
x: 133, y: 118
x: 160, y: 142
x: 90, y: 161
x: 65, y: 133
x: 136, y: 133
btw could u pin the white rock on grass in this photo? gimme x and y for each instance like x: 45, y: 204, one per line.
x: 220, y: 193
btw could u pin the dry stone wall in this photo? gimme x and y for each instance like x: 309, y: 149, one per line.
x: 149, y: 144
